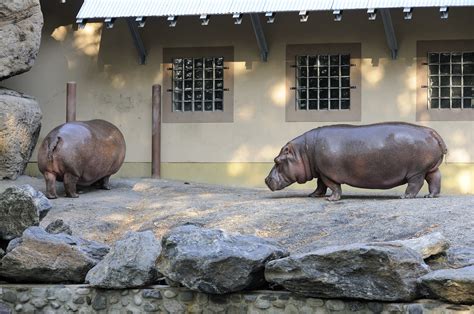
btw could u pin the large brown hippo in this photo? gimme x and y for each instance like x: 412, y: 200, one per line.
x: 375, y: 156
x: 81, y: 153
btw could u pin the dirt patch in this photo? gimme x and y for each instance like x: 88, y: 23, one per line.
x: 295, y: 220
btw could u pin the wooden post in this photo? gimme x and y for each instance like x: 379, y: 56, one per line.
x: 71, y: 102
x: 156, y: 132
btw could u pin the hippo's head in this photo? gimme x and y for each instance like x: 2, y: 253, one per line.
x: 289, y: 168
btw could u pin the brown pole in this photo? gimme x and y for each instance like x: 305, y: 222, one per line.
x: 71, y: 102
x: 156, y: 132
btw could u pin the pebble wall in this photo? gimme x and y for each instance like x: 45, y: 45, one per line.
x: 164, y: 299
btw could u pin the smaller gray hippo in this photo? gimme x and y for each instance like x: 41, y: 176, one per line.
x: 81, y: 153
x: 376, y: 156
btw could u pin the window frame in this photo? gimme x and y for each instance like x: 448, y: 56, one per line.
x: 423, y: 112
x: 217, y: 116
x: 293, y: 114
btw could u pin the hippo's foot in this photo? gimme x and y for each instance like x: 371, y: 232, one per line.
x: 333, y: 198
x: 408, y: 196
x: 51, y: 196
x: 317, y: 194
x: 431, y: 195
x: 72, y: 195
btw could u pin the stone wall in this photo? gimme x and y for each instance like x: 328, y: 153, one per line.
x: 84, y: 299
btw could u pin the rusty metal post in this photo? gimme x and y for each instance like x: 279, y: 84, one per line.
x: 156, y: 132
x: 71, y: 102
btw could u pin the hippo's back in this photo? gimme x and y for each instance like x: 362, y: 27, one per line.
x: 379, y: 155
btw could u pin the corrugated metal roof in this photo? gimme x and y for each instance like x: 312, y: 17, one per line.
x: 132, y: 8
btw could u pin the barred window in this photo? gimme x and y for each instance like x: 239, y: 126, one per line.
x: 451, y: 80
x: 198, y: 84
x: 323, y: 82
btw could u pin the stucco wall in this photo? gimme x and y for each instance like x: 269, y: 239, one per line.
x: 111, y: 84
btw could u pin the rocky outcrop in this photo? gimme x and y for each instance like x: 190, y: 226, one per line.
x: 378, y: 271
x: 41, y: 257
x: 58, y: 226
x: 130, y: 263
x: 20, y: 124
x: 212, y: 261
x: 427, y: 245
x: 20, y: 35
x: 21, y: 207
x: 453, y: 285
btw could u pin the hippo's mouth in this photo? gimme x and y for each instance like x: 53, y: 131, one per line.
x: 275, y: 185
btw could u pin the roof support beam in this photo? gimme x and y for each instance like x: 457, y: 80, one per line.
x: 137, y: 40
x: 389, y: 32
x: 260, y: 35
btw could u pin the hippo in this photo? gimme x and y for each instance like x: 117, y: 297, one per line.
x: 81, y: 153
x: 375, y: 156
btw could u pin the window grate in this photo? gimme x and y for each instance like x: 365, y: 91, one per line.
x: 323, y: 82
x: 450, y: 80
x: 198, y: 84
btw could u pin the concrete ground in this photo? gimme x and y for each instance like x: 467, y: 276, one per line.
x: 295, y: 220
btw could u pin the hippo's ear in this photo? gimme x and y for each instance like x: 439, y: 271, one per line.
x: 285, y: 154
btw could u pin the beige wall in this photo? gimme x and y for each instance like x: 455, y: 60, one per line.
x: 112, y: 86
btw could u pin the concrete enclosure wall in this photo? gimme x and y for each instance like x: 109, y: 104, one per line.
x: 113, y: 86
x: 163, y: 299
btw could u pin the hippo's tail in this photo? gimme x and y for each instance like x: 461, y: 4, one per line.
x: 53, y: 146
x: 440, y: 141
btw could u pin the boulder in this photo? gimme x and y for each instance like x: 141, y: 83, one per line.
x: 2, y: 253
x: 21, y: 207
x: 452, y: 285
x: 41, y: 257
x: 20, y: 124
x: 58, y: 226
x: 427, y: 245
x: 130, y: 263
x: 212, y: 261
x: 460, y: 257
x: 21, y: 22
x: 374, y: 271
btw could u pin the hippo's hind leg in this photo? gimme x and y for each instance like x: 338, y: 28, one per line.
x: 70, y: 182
x: 320, y: 189
x: 50, y: 179
x: 414, y: 186
x: 434, y: 183
x: 104, y: 183
x: 335, y: 188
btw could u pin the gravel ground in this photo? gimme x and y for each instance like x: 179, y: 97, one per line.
x: 295, y: 220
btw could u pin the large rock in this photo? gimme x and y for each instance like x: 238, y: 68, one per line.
x: 428, y: 245
x: 130, y: 263
x: 20, y: 35
x: 460, y: 257
x: 453, y: 285
x: 41, y: 257
x: 211, y: 261
x: 2, y: 252
x: 21, y: 207
x: 20, y: 124
x: 378, y: 271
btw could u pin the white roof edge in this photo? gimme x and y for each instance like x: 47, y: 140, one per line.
x: 98, y: 9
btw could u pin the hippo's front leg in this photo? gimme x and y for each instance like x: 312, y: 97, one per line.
x: 321, y: 189
x: 70, y: 182
x: 335, y: 188
x: 50, y: 179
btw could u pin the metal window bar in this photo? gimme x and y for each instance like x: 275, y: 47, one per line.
x: 435, y: 102
x: 183, y: 92
x: 329, y: 99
